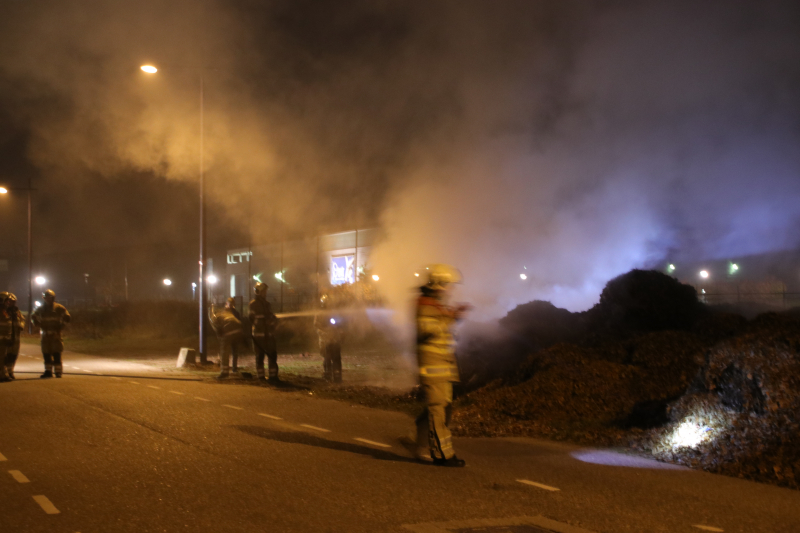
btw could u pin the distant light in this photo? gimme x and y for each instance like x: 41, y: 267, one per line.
x: 37, y: 303
x: 212, y: 279
x: 703, y: 291
x: 333, y: 321
x: 279, y: 276
x: 733, y: 268
x: 671, y: 267
x: 255, y: 278
x: 40, y: 280
x: 3, y: 190
x: 375, y: 277
x: 194, y: 285
x: 416, y: 274
x: 150, y: 69
x: 523, y: 276
x: 704, y: 274
x: 167, y: 282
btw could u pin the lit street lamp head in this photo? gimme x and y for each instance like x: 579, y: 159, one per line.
x: 3, y: 190
x: 150, y: 69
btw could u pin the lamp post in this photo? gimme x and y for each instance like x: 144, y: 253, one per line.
x: 28, y: 189
x: 203, y: 297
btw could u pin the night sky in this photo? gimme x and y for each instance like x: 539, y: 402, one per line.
x: 572, y: 139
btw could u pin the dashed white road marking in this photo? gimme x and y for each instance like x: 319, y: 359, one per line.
x: 135, y: 382
x: 315, y: 428
x: 176, y: 392
x: 382, y: 445
x: 270, y: 416
x: 3, y: 457
x: 46, y: 505
x: 707, y: 528
x: 153, y: 387
x: 233, y: 407
x: 539, y: 485
x: 19, y: 476
x: 88, y: 370
x: 201, y: 399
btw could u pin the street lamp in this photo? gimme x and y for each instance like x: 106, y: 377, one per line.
x: 203, y: 299
x: 40, y: 280
x: 28, y: 189
x: 168, y: 282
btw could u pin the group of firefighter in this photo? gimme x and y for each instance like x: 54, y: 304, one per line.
x: 227, y: 324
x: 50, y: 318
x: 435, y: 321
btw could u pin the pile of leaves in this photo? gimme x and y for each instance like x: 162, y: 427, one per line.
x: 648, y: 367
x: 742, y: 413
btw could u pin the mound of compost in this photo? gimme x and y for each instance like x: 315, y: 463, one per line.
x: 649, y: 367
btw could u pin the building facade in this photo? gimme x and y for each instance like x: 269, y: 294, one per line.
x: 298, y: 271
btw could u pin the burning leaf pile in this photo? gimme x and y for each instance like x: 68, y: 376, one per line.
x: 652, y: 369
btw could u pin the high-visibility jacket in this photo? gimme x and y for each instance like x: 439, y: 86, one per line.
x: 226, y: 325
x: 436, y: 346
x: 51, y: 319
x: 12, y: 324
x: 6, y: 329
x: 262, y: 321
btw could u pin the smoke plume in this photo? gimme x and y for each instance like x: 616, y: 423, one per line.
x: 566, y: 141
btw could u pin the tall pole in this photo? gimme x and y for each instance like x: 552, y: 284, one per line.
x: 30, y: 263
x: 203, y: 299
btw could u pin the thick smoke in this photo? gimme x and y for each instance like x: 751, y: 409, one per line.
x: 673, y: 134
x: 567, y: 141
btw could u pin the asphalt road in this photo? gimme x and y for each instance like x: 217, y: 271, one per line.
x: 116, y: 446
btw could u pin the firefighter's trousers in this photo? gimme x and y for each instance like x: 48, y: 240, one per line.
x: 226, y: 346
x: 332, y: 362
x: 266, y: 346
x: 432, y: 430
x: 4, y: 355
x: 11, y: 360
x: 52, y: 363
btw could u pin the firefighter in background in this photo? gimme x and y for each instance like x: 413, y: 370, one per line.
x: 329, y: 330
x: 230, y: 304
x: 51, y: 318
x: 6, y: 336
x: 438, y: 369
x: 230, y: 334
x: 263, y: 323
x: 17, y: 320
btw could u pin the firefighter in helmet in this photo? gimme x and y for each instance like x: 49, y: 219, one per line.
x: 329, y: 331
x: 438, y: 369
x: 228, y: 327
x: 51, y: 318
x: 13, y: 322
x: 6, y: 336
x: 263, y: 323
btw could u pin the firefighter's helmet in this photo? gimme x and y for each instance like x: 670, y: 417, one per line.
x: 231, y: 302
x: 9, y: 296
x: 261, y: 289
x: 439, y: 276
x: 49, y: 293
